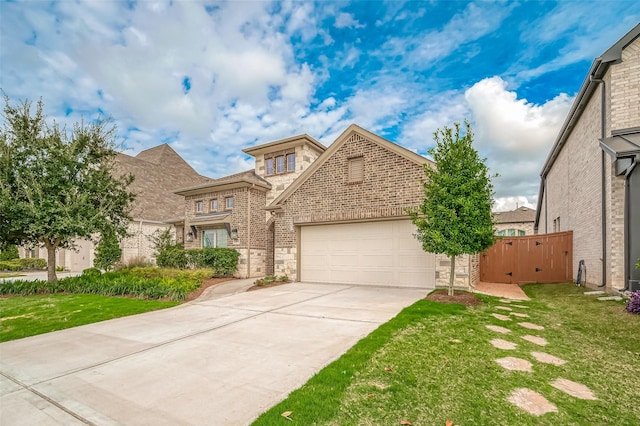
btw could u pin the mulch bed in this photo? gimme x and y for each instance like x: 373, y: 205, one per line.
x: 271, y: 284
x: 461, y: 297
x: 205, y: 285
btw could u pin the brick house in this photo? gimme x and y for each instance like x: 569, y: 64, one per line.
x: 589, y: 182
x: 515, y: 223
x: 316, y: 214
x: 158, y: 172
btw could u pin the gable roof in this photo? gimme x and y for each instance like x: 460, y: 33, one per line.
x: 284, y: 144
x: 335, y: 146
x: 521, y: 214
x: 158, y: 171
x: 247, y: 178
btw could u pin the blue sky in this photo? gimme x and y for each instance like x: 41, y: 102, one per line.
x: 211, y: 78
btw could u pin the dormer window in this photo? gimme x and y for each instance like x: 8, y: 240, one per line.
x: 280, y: 164
x: 291, y: 162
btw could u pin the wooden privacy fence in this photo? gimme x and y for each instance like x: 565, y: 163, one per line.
x: 544, y: 258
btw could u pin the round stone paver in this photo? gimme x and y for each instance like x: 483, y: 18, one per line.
x: 498, y: 329
x: 519, y: 315
x: 574, y: 389
x: 547, y: 359
x: 531, y: 326
x: 532, y: 402
x: 503, y: 344
x: 504, y: 308
x: 501, y: 317
x: 537, y: 340
x: 516, y: 364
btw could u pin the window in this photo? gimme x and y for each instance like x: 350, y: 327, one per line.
x: 280, y: 164
x: 291, y: 162
x: 356, y: 169
x: 521, y: 233
x: 269, y: 166
x: 214, y: 238
x: 199, y: 206
x: 228, y: 203
x: 511, y: 232
x: 214, y: 205
x: 501, y: 233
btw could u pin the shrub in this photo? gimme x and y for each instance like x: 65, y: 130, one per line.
x: 92, y: 272
x: 108, y: 251
x: 163, y: 240
x: 32, y: 263
x: 10, y: 265
x: 174, y: 257
x: 633, y: 305
x: 9, y: 253
x: 139, y: 262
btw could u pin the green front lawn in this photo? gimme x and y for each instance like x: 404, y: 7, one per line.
x: 434, y: 363
x: 27, y: 316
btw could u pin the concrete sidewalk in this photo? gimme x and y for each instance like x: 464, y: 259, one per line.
x: 220, y: 361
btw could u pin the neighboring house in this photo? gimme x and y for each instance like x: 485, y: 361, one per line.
x: 158, y: 172
x: 335, y: 215
x: 590, y: 182
x: 515, y: 223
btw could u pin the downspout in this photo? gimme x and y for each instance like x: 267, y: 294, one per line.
x: 627, y: 225
x: 248, y: 233
x: 546, y: 212
x: 603, y: 131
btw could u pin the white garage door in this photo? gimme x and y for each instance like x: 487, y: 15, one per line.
x: 371, y: 253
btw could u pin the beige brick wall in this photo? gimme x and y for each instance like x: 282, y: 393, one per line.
x: 625, y: 89
x: 139, y: 244
x: 527, y: 227
x: 463, y: 271
x: 391, y: 183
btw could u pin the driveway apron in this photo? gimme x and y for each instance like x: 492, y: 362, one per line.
x: 221, y: 361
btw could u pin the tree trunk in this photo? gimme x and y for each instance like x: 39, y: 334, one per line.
x: 452, y: 275
x: 51, y: 261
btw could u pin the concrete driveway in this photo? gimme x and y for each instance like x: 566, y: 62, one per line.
x: 209, y: 362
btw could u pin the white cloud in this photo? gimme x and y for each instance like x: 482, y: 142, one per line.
x: 346, y: 20
x: 514, y: 134
x: 503, y: 204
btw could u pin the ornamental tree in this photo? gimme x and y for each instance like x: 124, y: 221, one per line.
x: 454, y: 217
x: 57, y: 186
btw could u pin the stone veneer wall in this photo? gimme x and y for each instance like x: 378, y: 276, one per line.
x: 462, y: 272
x: 139, y: 244
x: 391, y: 183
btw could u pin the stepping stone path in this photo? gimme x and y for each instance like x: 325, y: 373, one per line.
x: 593, y: 293
x: 547, y: 359
x: 531, y: 326
x: 498, y: 329
x: 540, y: 341
x: 574, y: 389
x: 503, y: 344
x: 527, y: 399
x: 532, y: 402
x: 516, y: 364
x: 616, y: 298
x: 501, y: 317
x: 520, y: 306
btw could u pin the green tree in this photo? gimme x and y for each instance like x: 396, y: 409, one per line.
x: 108, y: 251
x: 57, y: 185
x: 454, y: 217
x: 10, y: 252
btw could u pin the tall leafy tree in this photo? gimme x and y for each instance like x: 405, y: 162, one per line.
x: 454, y: 217
x: 58, y: 185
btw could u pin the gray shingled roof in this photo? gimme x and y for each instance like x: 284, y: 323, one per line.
x: 158, y: 172
x: 521, y: 214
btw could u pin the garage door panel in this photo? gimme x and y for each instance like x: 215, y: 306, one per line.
x: 374, y: 253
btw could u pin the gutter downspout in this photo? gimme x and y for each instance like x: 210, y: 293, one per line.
x: 603, y: 131
x: 546, y: 212
x: 249, y: 232
x: 627, y: 225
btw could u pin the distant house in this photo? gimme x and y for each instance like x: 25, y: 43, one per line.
x: 158, y: 172
x: 515, y: 223
x: 590, y: 181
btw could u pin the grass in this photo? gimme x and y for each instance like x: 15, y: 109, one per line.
x: 433, y: 363
x: 28, y: 316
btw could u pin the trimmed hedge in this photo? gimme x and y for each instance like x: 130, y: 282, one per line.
x: 223, y: 261
x: 146, y: 283
x: 22, y: 264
